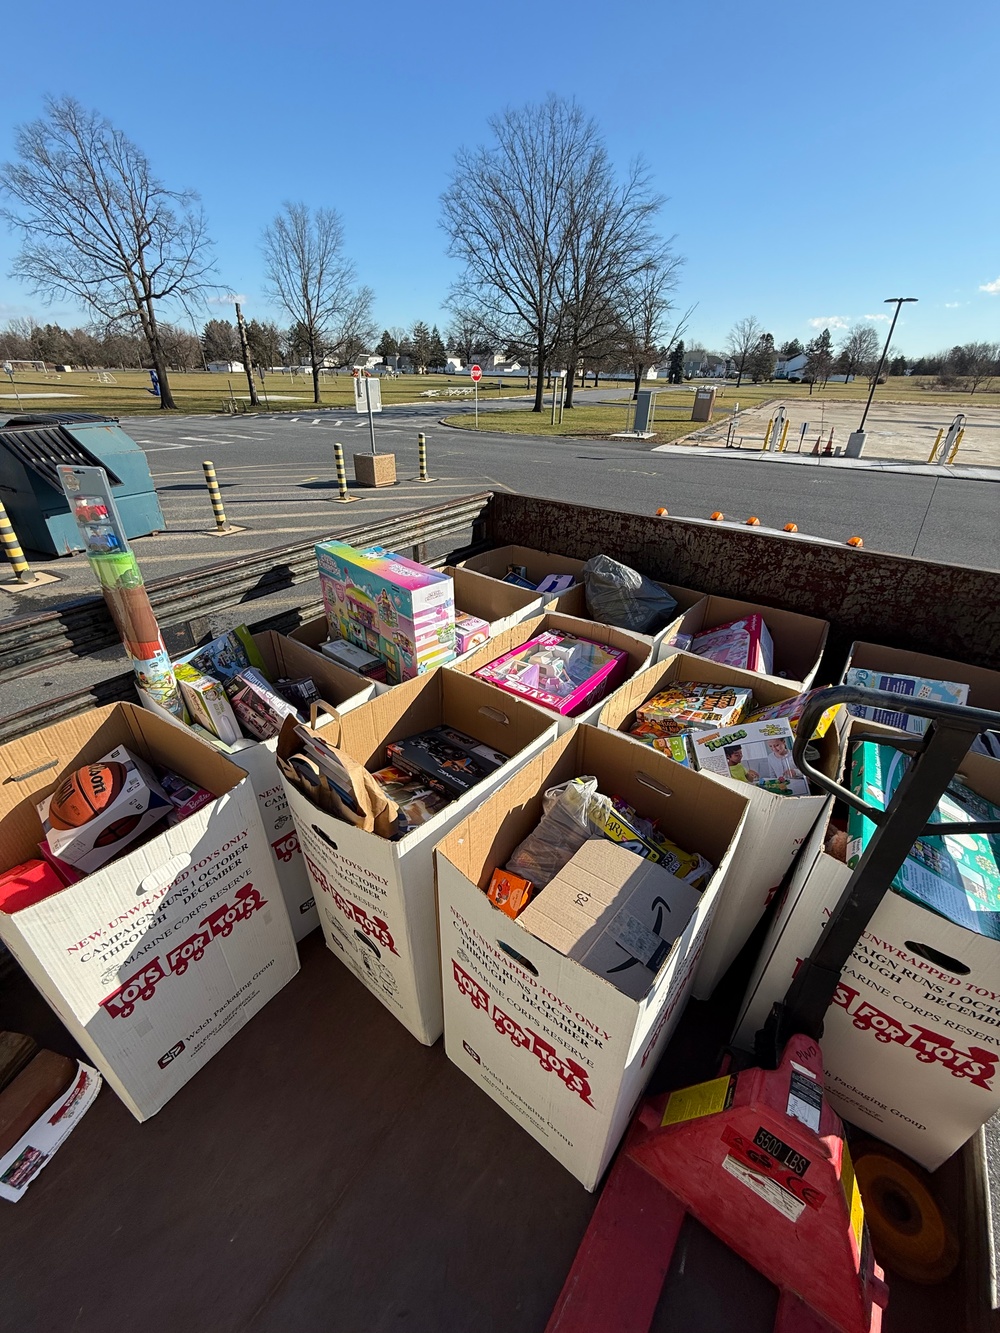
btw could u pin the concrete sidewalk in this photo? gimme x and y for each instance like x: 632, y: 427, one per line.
x: 819, y: 460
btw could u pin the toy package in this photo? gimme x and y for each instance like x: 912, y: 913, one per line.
x: 509, y: 892
x: 759, y: 753
x: 688, y: 704
x: 742, y: 643
x: 792, y: 709
x: 260, y: 711
x: 556, y: 583
x: 301, y: 694
x: 348, y: 654
x: 677, y: 748
x: 418, y: 798
x: 396, y: 609
x: 186, y: 797
x: 622, y: 823
x: 470, y: 632
x: 913, y: 687
x: 206, y: 701
x: 446, y: 756
x: 957, y: 876
x: 558, y: 671
x: 226, y: 656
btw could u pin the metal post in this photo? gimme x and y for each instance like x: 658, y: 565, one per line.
x: 215, y: 495
x: 900, y: 302
x: 802, y: 436
x: 958, y: 441
x: 371, y: 415
x: 338, y: 458
x: 475, y: 389
x: 12, y: 550
x: 554, y: 392
x: 422, y: 456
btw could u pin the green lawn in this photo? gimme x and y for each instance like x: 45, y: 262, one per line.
x: 126, y: 392
x: 587, y: 421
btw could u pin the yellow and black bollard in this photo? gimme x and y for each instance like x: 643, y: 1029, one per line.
x: 338, y: 458
x: 422, y: 457
x: 215, y: 495
x: 12, y: 550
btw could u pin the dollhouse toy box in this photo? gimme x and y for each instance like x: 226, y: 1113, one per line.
x: 399, y: 610
x: 558, y: 671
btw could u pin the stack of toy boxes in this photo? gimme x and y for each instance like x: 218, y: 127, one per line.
x: 401, y: 611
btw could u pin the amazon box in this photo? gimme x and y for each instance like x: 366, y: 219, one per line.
x: 375, y: 897
x: 798, y: 640
x: 154, y: 961
x: 911, y: 1042
x: 776, y: 826
x: 561, y: 1047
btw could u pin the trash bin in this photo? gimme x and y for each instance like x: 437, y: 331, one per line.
x: 32, y: 446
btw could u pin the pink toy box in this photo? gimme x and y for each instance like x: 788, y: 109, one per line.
x: 400, y: 611
x: 558, y: 671
x: 745, y: 644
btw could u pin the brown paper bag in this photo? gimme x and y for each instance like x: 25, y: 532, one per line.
x: 375, y: 813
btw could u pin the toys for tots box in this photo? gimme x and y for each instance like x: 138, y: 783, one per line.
x: 375, y: 897
x: 911, y: 1044
x: 798, y: 640
x: 400, y: 611
x: 776, y: 827
x: 537, y: 565
x: 499, y: 604
x: 154, y: 961
x: 636, y: 648
x: 561, y: 1049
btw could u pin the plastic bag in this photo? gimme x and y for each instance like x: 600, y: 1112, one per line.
x: 620, y: 596
x: 561, y: 832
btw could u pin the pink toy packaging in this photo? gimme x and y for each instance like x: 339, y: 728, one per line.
x: 742, y: 643
x: 558, y: 671
x: 470, y: 632
x: 390, y: 606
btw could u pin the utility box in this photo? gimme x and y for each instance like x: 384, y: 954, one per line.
x: 645, y: 406
x: 31, y: 449
x: 704, y: 402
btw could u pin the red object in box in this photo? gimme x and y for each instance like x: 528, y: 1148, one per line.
x: 28, y: 884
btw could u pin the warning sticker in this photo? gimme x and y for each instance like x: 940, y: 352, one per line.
x: 852, y: 1194
x: 805, y: 1100
x: 779, y: 1199
x: 701, y: 1099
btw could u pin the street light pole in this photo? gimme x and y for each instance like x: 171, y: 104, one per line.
x: 856, y: 441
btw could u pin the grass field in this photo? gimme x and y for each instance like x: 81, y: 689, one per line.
x: 673, y: 407
x: 126, y: 392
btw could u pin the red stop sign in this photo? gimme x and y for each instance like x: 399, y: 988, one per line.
x: 477, y: 373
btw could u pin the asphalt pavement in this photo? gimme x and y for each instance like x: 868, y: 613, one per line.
x: 277, y: 478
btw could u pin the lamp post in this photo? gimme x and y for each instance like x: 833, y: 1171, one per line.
x: 856, y: 441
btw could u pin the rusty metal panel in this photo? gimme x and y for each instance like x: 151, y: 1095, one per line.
x: 923, y: 605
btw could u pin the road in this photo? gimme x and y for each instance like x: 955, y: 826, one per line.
x: 277, y: 480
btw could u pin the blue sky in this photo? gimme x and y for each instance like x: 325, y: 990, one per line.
x: 817, y: 159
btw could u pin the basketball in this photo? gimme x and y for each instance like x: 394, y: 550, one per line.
x: 86, y: 792
x: 116, y: 830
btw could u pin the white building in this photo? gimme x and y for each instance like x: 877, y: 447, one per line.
x: 224, y: 367
x: 791, y: 367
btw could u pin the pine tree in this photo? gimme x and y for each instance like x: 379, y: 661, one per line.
x: 675, y: 369
x: 437, y: 356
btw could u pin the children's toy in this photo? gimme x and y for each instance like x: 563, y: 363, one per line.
x: 447, y: 757
x: 742, y: 643
x: 348, y: 654
x: 622, y: 823
x: 509, y: 892
x: 956, y: 876
x: 100, y: 809
x: 226, y: 656
x: 688, y: 704
x: 470, y: 632
x: 792, y: 710
x: 759, y: 753
x: 556, y: 583
x: 913, y: 687
x: 260, y: 710
x: 186, y: 797
x: 207, y: 703
x: 396, y: 609
x: 558, y: 671
x: 677, y: 748
x: 418, y: 798
x: 301, y: 694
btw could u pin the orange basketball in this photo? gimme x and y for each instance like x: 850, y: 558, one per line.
x: 86, y: 792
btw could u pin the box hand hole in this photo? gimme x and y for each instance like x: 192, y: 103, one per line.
x: 939, y: 959
x: 518, y: 958
x: 325, y: 836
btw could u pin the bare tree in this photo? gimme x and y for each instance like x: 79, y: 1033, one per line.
x: 743, y: 338
x: 99, y: 228
x: 610, y: 244
x: 468, y: 333
x: 646, y: 311
x: 507, y: 211
x: 859, y: 352
x: 354, y: 332
x: 979, y: 363
x: 312, y: 280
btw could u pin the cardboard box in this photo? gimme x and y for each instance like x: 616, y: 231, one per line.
x: 499, y: 604
x: 538, y: 564
x: 798, y: 640
x: 984, y: 685
x: 574, y: 603
x: 776, y: 826
x: 400, y: 611
x: 562, y: 1050
x: 911, y: 1044
x: 154, y: 961
x: 637, y: 646
x: 375, y: 897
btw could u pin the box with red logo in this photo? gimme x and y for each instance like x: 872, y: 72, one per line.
x: 156, y: 959
x: 911, y: 1044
